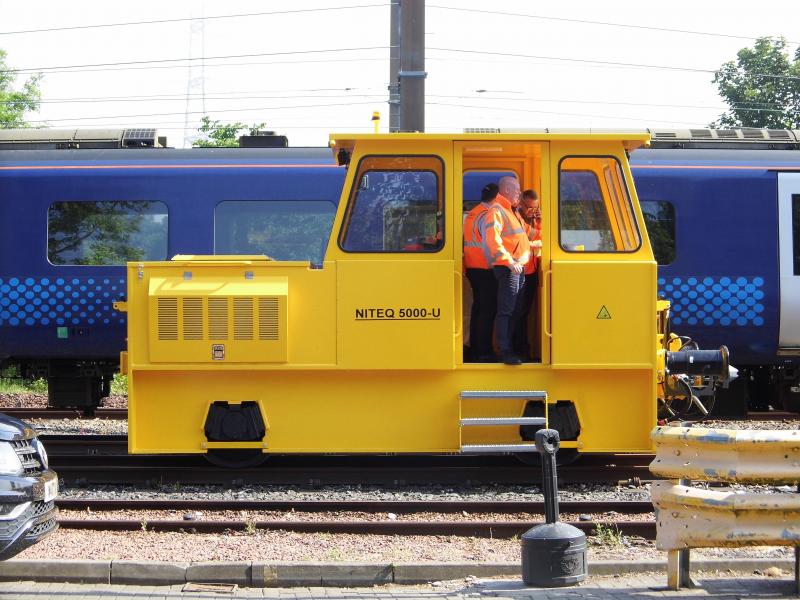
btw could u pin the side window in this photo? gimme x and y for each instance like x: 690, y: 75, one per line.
x: 594, y: 207
x: 396, y: 205
x: 796, y: 231
x: 659, y: 218
x: 106, y: 233
x: 282, y: 229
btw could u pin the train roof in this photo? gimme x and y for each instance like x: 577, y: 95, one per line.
x: 766, y: 159
x: 310, y: 156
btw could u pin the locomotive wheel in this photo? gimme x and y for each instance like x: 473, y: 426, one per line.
x: 565, y: 456
x: 236, y: 459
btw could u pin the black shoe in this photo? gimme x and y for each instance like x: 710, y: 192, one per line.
x: 511, y: 359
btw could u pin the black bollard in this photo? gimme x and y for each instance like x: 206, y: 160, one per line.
x: 553, y: 554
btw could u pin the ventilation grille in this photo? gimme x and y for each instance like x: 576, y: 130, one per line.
x: 167, y: 318
x: 268, y: 319
x: 779, y: 134
x: 243, y: 318
x: 193, y: 318
x: 253, y: 318
x: 218, y: 318
x: 752, y: 134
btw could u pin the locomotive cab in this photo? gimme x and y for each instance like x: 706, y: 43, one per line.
x: 364, y: 352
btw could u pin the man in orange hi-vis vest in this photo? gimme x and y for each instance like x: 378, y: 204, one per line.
x: 509, y: 251
x: 530, y: 214
x: 481, y: 278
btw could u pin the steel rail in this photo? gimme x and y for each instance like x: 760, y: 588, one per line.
x: 485, y: 529
x: 367, y: 506
x: 58, y: 413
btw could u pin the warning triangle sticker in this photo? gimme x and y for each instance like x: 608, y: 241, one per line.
x: 604, y: 314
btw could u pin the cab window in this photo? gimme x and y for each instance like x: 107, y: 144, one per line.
x: 396, y: 205
x: 595, y: 211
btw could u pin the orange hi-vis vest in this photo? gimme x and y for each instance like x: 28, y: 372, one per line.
x: 476, y: 254
x: 534, y: 233
x: 505, y: 236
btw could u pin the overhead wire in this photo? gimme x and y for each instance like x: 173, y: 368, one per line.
x: 202, y: 18
x: 592, y: 22
x: 133, y: 63
x: 198, y: 112
x: 162, y: 63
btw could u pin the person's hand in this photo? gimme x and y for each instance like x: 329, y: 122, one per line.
x: 516, y: 268
x: 536, y: 243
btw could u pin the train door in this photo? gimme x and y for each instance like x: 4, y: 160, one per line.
x: 394, y: 259
x: 602, y: 281
x: 789, y: 235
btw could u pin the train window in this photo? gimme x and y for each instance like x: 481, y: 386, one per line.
x: 595, y: 211
x: 396, y: 205
x: 659, y: 218
x: 474, y: 182
x: 796, y: 231
x: 106, y: 232
x: 280, y: 229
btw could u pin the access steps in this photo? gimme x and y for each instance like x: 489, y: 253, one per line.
x: 495, y: 421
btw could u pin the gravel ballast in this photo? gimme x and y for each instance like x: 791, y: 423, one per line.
x: 321, y: 547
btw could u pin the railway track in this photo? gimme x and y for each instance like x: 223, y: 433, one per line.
x: 56, y: 413
x: 88, y: 459
x: 379, y: 524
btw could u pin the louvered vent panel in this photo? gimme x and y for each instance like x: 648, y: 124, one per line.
x: 217, y: 318
x: 778, y: 134
x: 727, y: 133
x: 167, y: 318
x: 701, y: 133
x: 193, y: 318
x: 268, y: 326
x: 243, y: 318
x: 753, y: 134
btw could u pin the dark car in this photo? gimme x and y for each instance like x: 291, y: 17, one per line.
x: 28, y: 488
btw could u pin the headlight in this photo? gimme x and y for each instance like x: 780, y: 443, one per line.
x: 10, y: 464
x: 37, y: 443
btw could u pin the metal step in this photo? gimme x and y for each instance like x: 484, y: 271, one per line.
x: 489, y: 421
x: 503, y: 395
x: 497, y: 448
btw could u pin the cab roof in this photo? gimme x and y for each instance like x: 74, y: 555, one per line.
x: 629, y: 138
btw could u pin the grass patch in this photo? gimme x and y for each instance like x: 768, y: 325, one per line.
x: 607, y: 535
x: 119, y: 385
x: 12, y: 384
x: 17, y: 386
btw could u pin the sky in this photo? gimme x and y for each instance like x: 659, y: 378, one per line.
x: 308, y: 68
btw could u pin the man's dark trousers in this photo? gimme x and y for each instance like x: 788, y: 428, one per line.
x: 509, y: 306
x: 484, y: 308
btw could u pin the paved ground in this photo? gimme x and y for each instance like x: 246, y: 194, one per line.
x: 631, y: 587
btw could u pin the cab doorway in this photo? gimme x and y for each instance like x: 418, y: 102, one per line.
x: 483, y: 165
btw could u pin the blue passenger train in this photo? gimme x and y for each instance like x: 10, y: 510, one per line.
x: 723, y: 217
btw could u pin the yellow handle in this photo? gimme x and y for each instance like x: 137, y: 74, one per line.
x: 546, y: 298
x: 458, y: 317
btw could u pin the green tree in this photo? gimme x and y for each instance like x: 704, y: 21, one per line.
x: 762, y: 87
x: 223, y: 135
x: 15, y: 103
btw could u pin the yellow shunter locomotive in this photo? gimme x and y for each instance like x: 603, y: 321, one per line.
x: 363, y: 353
